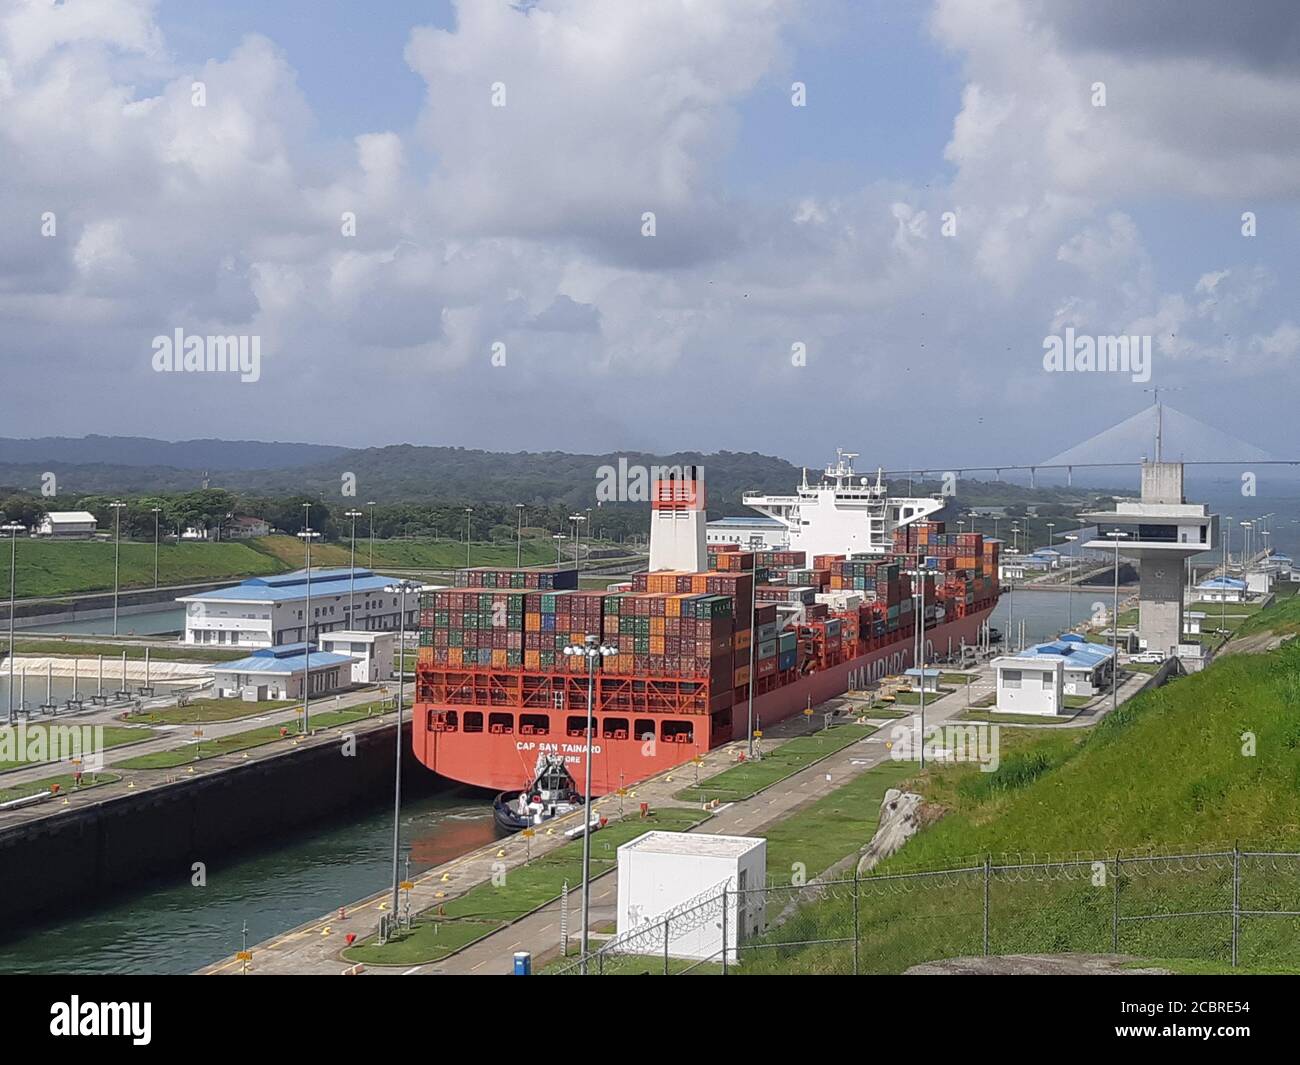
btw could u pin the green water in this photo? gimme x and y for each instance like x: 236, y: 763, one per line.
x: 177, y: 928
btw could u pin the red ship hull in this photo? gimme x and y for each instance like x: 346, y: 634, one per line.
x: 628, y: 746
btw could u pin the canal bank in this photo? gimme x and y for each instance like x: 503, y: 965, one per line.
x: 157, y: 824
x: 75, y: 610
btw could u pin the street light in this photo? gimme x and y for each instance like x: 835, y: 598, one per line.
x: 559, y: 557
x: 1116, y: 536
x: 399, y: 588
x: 1069, y: 586
x: 519, y: 536
x: 156, y: 511
x: 371, y: 505
x: 354, y: 514
x: 13, y: 529
x: 117, y: 506
x: 593, y: 650
x: 468, y: 512
x: 577, y: 520
x: 307, y: 536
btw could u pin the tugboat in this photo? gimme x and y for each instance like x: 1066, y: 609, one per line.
x: 552, y: 794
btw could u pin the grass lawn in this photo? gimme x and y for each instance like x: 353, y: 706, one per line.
x: 955, y: 678
x: 408, y: 554
x: 242, y: 741
x: 112, y: 652
x: 746, y: 778
x: 1282, y: 617
x: 1215, y: 609
x: 114, y: 736
x: 887, y: 711
x: 53, y: 568
x: 200, y: 710
x: 914, y: 698
x: 817, y: 836
x: 1167, y: 770
x: 994, y: 718
x: 487, y: 907
x: 64, y: 781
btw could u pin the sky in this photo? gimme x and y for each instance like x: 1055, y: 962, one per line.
x: 781, y: 226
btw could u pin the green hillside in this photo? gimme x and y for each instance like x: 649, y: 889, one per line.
x: 48, y: 568
x: 1204, y: 764
x: 409, y: 554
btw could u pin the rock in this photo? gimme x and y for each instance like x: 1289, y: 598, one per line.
x: 902, y: 816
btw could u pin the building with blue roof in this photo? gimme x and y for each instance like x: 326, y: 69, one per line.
x: 1037, y: 679
x: 1222, y: 590
x: 278, y: 673
x: 273, y: 611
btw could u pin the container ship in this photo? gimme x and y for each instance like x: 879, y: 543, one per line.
x: 843, y: 603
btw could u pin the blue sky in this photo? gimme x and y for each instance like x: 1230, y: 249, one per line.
x: 520, y: 229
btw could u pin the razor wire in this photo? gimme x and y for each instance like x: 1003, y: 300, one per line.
x: 653, y: 936
x: 1211, y: 904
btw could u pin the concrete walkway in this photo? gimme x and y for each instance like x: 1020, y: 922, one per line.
x: 315, y: 947
x: 157, y: 738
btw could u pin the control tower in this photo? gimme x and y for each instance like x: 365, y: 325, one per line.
x: 1161, y: 532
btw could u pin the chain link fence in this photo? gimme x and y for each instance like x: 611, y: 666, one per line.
x: 1231, y: 907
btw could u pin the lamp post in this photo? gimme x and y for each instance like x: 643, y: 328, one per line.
x: 399, y: 588
x: 117, y: 506
x: 156, y: 511
x: 307, y: 536
x: 753, y: 642
x: 920, y: 646
x: 371, y: 506
x: 576, y: 521
x: 559, y: 557
x: 1069, y: 587
x: 1116, y: 536
x: 594, y: 651
x: 13, y: 529
x: 354, y: 514
x: 468, y: 512
x: 519, y: 536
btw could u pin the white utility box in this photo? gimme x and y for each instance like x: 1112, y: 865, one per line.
x: 680, y: 876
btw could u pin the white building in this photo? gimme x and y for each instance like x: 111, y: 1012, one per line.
x: 1259, y: 581
x: 271, y: 611
x: 682, y: 875
x: 67, y: 524
x: 1222, y: 590
x: 277, y: 673
x: 1030, y: 685
x: 243, y: 527
x: 371, y: 653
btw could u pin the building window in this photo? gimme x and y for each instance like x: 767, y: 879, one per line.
x: 1047, y: 681
x: 1011, y: 678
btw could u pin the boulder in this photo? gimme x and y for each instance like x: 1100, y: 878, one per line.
x: 902, y: 815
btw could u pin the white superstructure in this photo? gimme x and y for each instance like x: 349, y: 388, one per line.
x: 842, y: 512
